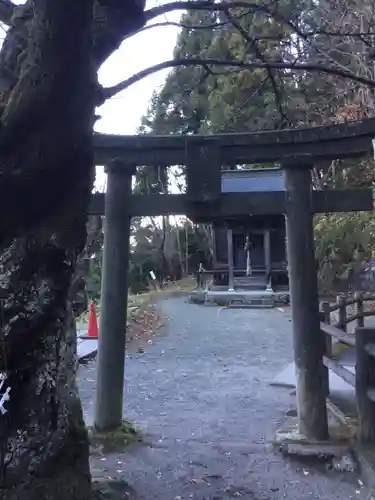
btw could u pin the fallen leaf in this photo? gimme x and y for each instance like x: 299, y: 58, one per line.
x: 213, y: 476
x: 198, y: 481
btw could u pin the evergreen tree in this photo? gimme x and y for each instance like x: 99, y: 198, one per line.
x: 181, y: 105
x: 201, y: 99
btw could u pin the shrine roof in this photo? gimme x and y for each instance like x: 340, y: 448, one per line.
x: 252, y: 180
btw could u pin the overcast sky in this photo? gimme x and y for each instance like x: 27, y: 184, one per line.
x: 122, y: 114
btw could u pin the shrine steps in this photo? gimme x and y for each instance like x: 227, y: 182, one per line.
x: 240, y: 298
x: 255, y: 282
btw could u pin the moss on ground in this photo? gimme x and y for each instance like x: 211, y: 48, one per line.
x: 138, y: 304
x: 338, y: 349
x: 173, y: 289
x: 114, y: 440
x: 111, y: 489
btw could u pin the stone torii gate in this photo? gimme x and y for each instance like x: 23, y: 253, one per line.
x: 297, y: 151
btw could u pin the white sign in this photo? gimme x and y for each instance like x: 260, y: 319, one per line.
x: 4, y: 396
x: 152, y: 274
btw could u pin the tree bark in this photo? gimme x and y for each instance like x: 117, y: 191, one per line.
x: 48, y: 164
x: 48, y: 66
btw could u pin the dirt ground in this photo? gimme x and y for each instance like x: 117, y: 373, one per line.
x: 198, y: 391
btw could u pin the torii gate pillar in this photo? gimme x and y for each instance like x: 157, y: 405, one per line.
x: 114, y: 298
x: 308, y: 339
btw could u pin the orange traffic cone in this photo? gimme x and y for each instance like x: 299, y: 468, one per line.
x: 92, y: 330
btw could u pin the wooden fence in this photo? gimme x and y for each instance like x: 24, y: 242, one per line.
x: 363, y: 340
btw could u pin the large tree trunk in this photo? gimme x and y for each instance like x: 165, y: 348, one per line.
x: 47, y: 167
x: 47, y: 84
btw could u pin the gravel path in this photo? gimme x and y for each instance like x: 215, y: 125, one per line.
x: 200, y: 394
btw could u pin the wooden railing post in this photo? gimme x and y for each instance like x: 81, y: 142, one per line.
x: 359, y: 309
x: 205, y: 282
x: 341, y: 302
x: 326, y: 317
x: 230, y: 260
x: 365, y: 383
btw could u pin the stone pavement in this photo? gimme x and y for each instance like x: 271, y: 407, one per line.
x: 200, y: 393
x: 86, y: 348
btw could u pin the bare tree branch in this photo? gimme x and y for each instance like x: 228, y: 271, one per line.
x: 205, y: 5
x: 354, y: 34
x: 113, y: 23
x: 268, y: 9
x: 7, y: 9
x: 309, y: 40
x: 258, y: 53
x: 165, y: 24
x: 107, y: 93
x: 226, y: 126
x: 192, y: 26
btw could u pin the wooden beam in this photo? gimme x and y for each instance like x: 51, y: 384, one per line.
x: 267, y: 250
x: 318, y: 143
x: 338, y: 334
x: 343, y: 200
x: 228, y: 204
x: 339, y: 369
x: 364, y: 384
x: 203, y: 173
x: 236, y: 204
x: 345, y: 131
x: 302, y: 153
x: 230, y: 260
